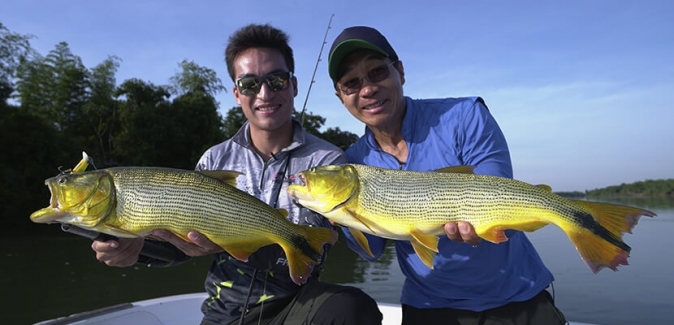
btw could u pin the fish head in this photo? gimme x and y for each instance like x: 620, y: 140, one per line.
x: 82, y: 199
x: 325, y: 187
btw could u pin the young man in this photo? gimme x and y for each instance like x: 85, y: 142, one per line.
x: 474, y: 283
x: 269, y: 149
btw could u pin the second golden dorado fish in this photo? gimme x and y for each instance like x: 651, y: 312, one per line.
x: 415, y: 206
x: 133, y: 201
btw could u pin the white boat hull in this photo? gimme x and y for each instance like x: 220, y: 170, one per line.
x: 176, y: 310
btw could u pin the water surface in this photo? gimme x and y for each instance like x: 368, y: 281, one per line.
x: 47, y: 277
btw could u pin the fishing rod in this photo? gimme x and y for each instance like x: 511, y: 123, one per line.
x: 153, y: 253
x: 304, y: 107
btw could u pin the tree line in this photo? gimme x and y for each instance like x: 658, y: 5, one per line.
x: 647, y: 188
x: 652, y: 188
x: 52, y: 108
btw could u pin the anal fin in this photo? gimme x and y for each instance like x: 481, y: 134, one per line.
x: 428, y: 241
x: 361, y: 240
x: 426, y: 255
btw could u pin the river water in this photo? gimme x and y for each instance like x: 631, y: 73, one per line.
x: 45, y: 277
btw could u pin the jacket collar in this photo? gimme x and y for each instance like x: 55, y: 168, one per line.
x: 242, y: 137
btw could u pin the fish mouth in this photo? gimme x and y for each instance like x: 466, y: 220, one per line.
x: 53, y: 201
x: 303, y: 179
x: 51, y: 213
x: 297, y: 192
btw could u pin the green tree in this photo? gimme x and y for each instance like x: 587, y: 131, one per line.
x: 312, y: 123
x: 55, y: 88
x: 233, y: 121
x: 143, y: 112
x: 14, y: 48
x: 193, y: 78
x: 100, y: 110
x: 342, y: 139
x: 196, y: 125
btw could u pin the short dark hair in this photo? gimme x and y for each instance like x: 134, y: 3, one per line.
x: 255, y: 36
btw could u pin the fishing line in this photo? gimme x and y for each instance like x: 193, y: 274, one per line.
x: 304, y: 107
x: 277, y: 185
x: 264, y: 293
x: 245, y: 302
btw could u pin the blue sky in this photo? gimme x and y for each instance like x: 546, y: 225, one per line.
x: 583, y: 90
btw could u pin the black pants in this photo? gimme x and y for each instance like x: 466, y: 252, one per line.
x: 537, y: 310
x: 318, y: 303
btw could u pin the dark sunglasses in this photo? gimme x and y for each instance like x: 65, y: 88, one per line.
x: 276, y: 81
x: 376, y: 74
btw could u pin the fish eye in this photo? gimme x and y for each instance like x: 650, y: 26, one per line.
x: 313, y: 169
x: 62, y: 180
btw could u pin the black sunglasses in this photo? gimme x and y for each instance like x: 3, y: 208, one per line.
x: 376, y: 74
x: 276, y: 81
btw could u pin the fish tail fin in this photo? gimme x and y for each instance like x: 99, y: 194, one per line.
x: 615, y: 218
x: 305, y: 250
x: 597, y: 252
x: 602, y: 246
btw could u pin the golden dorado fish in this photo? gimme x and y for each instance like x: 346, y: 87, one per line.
x: 133, y: 201
x: 415, y: 206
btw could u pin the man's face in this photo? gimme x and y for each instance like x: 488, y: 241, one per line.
x: 371, y: 89
x: 267, y: 109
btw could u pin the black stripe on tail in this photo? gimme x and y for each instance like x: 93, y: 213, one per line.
x: 303, y: 245
x: 586, y: 220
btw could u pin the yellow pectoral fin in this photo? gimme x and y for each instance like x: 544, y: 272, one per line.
x: 428, y: 241
x: 426, y: 255
x: 361, y: 240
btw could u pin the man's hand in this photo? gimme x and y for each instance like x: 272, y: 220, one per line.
x: 462, y: 232
x: 198, y: 245
x: 121, y: 253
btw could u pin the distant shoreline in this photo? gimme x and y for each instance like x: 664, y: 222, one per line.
x: 582, y: 195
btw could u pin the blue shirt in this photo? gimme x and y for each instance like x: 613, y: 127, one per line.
x: 449, y: 132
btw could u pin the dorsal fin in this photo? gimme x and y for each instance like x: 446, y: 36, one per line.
x: 226, y: 176
x: 545, y: 187
x: 461, y: 169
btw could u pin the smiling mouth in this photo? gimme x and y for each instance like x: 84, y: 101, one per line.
x: 268, y: 108
x: 377, y: 104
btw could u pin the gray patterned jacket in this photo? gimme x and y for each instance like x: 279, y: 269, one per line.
x: 228, y: 280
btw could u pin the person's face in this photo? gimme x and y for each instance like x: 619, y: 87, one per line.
x: 371, y: 89
x: 267, y: 109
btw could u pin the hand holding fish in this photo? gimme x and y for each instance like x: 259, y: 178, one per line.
x: 198, y: 244
x: 121, y: 253
x: 462, y: 232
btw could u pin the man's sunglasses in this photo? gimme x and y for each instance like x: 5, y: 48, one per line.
x: 376, y: 74
x: 276, y: 81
